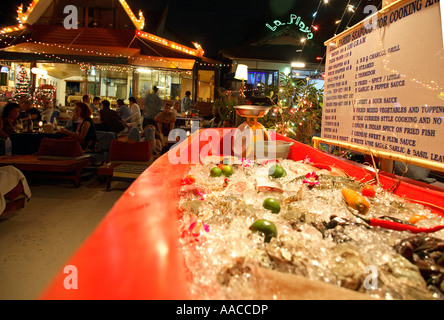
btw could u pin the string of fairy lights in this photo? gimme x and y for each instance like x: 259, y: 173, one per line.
x: 176, y: 64
x: 348, y: 8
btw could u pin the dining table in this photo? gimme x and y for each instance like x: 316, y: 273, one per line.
x: 186, y: 121
x: 29, y: 142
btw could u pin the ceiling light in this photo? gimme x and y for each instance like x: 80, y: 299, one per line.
x: 297, y: 65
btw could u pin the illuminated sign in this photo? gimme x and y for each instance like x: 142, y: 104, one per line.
x: 4, y: 69
x: 294, y: 20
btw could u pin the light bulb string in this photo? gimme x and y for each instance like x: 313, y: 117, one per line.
x: 311, y: 26
x: 320, y: 62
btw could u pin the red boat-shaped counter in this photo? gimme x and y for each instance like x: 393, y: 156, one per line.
x: 134, y: 253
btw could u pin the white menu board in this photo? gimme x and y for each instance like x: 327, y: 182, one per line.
x: 384, y: 86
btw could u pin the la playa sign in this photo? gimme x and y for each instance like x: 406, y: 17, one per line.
x: 294, y: 20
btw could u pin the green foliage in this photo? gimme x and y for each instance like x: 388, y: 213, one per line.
x: 297, y: 109
x: 225, y: 107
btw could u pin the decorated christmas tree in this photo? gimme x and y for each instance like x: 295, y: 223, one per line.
x: 22, y: 85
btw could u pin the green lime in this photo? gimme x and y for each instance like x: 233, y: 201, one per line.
x: 227, y: 170
x: 272, y: 204
x: 276, y: 171
x: 267, y: 227
x: 215, y: 172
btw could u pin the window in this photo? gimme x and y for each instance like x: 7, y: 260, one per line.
x: 266, y: 77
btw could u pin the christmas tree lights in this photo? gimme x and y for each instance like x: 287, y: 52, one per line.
x: 21, y: 90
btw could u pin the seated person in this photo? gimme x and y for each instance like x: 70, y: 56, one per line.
x: 87, y: 100
x: 134, y: 135
x: 47, y: 112
x: 165, y: 120
x: 54, y: 115
x: 135, y: 117
x: 95, y: 105
x: 8, y: 121
x: 176, y: 107
x: 123, y: 110
x: 186, y: 103
x: 30, y: 112
x: 72, y: 123
x: 111, y: 120
x: 152, y: 135
x: 217, y: 117
x: 86, y: 132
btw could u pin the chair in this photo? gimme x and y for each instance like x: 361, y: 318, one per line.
x: 127, y: 161
x: 54, y: 115
x: 64, y: 117
x: 104, y: 139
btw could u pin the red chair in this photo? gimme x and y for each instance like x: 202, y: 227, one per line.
x: 127, y: 161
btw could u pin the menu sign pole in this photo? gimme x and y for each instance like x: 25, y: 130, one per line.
x: 384, y: 85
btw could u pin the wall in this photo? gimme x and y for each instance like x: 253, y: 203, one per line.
x: 284, y: 67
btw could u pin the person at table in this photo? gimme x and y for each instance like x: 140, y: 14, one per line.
x: 153, y: 104
x: 187, y: 103
x: 46, y: 114
x: 135, y: 113
x: 217, y: 117
x: 30, y: 112
x: 86, y: 132
x: 123, y: 110
x: 87, y: 100
x: 165, y: 120
x: 176, y: 106
x: 95, y: 105
x: 111, y: 120
x: 8, y: 121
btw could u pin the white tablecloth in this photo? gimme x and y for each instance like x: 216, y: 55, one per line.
x: 9, y: 178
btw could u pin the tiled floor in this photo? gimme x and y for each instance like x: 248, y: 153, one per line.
x: 36, y: 241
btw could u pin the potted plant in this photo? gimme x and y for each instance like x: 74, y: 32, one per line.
x: 297, y: 109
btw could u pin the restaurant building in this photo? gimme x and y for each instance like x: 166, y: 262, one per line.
x: 100, y: 48
x: 279, y: 49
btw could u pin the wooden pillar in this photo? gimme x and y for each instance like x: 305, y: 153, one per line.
x: 118, y: 18
x: 135, y: 84
x: 85, y: 85
x: 32, y: 79
x: 86, y: 14
x: 54, y: 4
x: 100, y: 82
x: 216, y: 84
x: 195, y: 83
x: 386, y: 165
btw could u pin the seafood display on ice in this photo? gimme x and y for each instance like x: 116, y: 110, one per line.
x: 243, y: 226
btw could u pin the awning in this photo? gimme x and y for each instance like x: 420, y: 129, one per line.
x: 160, y: 62
x: 73, y: 50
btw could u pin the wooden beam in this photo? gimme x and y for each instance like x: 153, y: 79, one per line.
x: 432, y: 165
